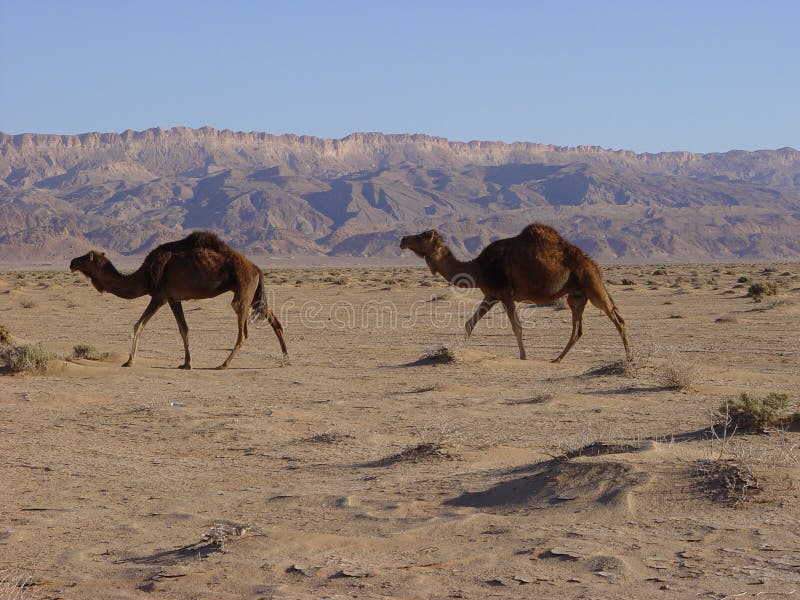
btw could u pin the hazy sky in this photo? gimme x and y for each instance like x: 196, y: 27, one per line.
x: 642, y: 75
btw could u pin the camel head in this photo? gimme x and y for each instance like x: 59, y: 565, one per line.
x: 428, y: 245
x: 90, y: 264
x: 424, y: 244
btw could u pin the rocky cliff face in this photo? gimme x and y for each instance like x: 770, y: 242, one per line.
x: 291, y: 195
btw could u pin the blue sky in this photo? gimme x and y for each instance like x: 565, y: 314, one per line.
x: 647, y: 76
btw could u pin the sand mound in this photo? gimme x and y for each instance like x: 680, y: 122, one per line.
x: 589, y: 483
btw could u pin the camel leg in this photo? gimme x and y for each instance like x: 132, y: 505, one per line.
x: 511, y: 309
x: 484, y: 307
x: 576, y: 305
x: 241, y: 314
x: 177, y: 310
x: 607, y: 306
x: 278, y: 328
x: 151, y: 309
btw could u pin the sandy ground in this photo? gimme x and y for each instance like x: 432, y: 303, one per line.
x: 358, y: 470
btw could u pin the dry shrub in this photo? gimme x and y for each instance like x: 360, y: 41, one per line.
x: 5, y: 336
x: 432, y: 444
x: 677, y: 373
x: 444, y: 354
x: 760, y: 289
x: 728, y: 480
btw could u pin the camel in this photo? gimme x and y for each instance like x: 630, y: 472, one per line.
x: 195, y: 267
x: 537, y: 266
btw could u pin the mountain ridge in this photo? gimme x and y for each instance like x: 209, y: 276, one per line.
x: 302, y: 195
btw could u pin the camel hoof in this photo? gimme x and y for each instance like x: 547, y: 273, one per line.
x: 556, y: 360
x: 185, y: 367
x: 127, y: 364
x: 222, y: 367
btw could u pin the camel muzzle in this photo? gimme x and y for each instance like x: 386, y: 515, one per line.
x: 404, y: 243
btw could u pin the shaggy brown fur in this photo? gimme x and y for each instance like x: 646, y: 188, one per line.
x: 195, y: 267
x: 537, y: 266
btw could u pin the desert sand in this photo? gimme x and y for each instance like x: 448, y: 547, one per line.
x: 363, y: 469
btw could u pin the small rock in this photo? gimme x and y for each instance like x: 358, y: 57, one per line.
x: 353, y: 573
x: 569, y: 553
x: 605, y: 574
x: 664, y: 587
x: 522, y: 579
x: 496, y: 582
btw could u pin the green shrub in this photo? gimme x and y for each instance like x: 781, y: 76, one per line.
x: 752, y: 412
x: 743, y: 279
x: 28, y: 358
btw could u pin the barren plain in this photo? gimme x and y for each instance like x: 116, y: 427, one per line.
x: 378, y: 464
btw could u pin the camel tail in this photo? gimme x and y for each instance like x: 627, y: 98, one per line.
x: 259, y: 306
x: 260, y: 311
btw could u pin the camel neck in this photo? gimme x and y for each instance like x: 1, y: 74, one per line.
x: 125, y: 286
x: 457, y: 272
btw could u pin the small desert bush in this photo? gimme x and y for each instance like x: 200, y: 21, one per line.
x: 728, y: 480
x: 87, y: 351
x: 628, y: 282
x: 760, y: 289
x: 5, y: 336
x: 678, y: 374
x: 442, y: 355
x: 28, y: 358
x: 751, y: 412
x: 743, y: 279
x: 28, y: 304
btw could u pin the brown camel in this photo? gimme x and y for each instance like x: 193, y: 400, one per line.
x: 198, y: 266
x: 537, y: 266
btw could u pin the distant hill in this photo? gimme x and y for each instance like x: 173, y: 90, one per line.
x: 296, y: 195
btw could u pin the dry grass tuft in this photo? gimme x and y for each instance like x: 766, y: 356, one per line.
x: 432, y: 444
x: 5, y: 336
x: 678, y: 374
x: 599, y: 448
x: 328, y: 437
x: 444, y: 354
x: 417, y: 453
x: 13, y: 588
x: 88, y: 352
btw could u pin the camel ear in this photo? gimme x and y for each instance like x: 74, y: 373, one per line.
x: 91, y: 255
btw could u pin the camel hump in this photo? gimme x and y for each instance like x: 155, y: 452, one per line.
x: 204, y: 239
x: 541, y: 234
